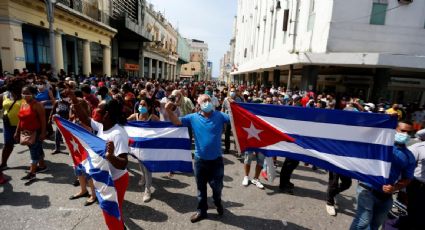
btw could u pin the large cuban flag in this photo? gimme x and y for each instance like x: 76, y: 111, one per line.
x: 160, y: 146
x: 88, y: 153
x: 358, y: 145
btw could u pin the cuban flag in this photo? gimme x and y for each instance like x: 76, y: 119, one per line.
x: 160, y: 146
x: 88, y: 153
x: 358, y: 145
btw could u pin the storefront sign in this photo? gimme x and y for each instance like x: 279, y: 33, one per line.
x: 131, y: 67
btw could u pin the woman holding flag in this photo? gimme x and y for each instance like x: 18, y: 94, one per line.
x: 109, y: 118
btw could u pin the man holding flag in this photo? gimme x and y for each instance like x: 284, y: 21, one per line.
x: 207, y: 126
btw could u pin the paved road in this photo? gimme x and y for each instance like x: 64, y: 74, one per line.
x: 44, y: 204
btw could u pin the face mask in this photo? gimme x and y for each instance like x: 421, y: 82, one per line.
x: 40, y: 87
x: 142, y: 110
x: 207, y: 107
x: 30, y: 80
x: 402, y: 138
x: 232, y: 94
x: 209, y: 93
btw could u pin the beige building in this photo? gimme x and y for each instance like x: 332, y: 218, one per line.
x: 160, y: 55
x: 82, y: 36
x: 191, y: 70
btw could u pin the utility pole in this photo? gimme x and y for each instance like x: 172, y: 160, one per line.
x: 50, y: 6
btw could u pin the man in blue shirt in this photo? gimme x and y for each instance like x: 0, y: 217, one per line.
x: 373, y: 205
x: 207, y: 125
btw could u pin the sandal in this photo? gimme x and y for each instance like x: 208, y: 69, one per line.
x: 74, y: 197
x: 88, y: 203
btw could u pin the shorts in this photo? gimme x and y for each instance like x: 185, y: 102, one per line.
x: 36, y: 150
x: 8, y: 133
x: 249, y: 156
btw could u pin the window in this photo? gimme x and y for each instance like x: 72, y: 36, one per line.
x: 285, y: 20
x: 379, y: 11
x: 185, y: 68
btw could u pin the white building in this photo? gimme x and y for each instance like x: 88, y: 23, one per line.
x: 375, y: 48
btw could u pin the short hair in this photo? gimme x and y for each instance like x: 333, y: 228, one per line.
x: 202, y: 97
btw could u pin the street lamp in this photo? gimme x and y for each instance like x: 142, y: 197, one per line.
x: 50, y: 7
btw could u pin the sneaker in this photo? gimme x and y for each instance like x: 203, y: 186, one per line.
x: 41, y: 169
x: 257, y: 183
x: 245, y: 181
x: 264, y: 175
x: 147, y: 196
x: 29, y: 177
x: 330, y: 209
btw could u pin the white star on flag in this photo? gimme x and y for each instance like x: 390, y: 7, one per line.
x: 74, y: 145
x: 253, y: 132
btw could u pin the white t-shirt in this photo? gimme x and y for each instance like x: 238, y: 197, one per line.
x: 117, y: 135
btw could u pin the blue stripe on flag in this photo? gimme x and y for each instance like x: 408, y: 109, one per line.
x: 375, y: 181
x: 151, y: 124
x: 167, y: 166
x: 345, y: 148
x: 161, y: 143
x: 101, y: 176
x: 109, y: 207
x: 322, y: 115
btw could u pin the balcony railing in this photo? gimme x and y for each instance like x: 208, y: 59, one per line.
x: 87, y: 8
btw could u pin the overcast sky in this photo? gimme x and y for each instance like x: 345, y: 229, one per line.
x: 207, y: 20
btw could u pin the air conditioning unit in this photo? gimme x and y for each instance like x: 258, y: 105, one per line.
x: 405, y: 1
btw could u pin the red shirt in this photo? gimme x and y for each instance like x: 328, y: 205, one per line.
x: 28, y: 118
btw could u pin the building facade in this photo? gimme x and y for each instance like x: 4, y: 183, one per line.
x: 357, y: 47
x: 198, y: 54
x: 227, y: 62
x: 183, y: 51
x: 82, y: 36
x: 160, y: 55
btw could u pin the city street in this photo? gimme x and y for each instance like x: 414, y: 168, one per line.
x: 44, y: 203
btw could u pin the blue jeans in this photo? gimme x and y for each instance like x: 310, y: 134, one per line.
x: 36, y: 150
x: 371, y: 211
x: 58, y: 139
x: 211, y: 172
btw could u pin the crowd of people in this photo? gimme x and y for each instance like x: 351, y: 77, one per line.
x: 103, y: 104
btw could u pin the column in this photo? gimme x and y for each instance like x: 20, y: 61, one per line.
x: 106, y: 60
x: 157, y: 70
x: 141, y: 62
x: 58, y: 51
x: 290, y: 75
x: 86, y: 58
x: 163, y: 70
x: 276, y: 78
x: 309, y: 78
x: 380, y: 84
x: 75, y: 54
x: 150, y: 69
x: 174, y: 77
x: 12, y: 45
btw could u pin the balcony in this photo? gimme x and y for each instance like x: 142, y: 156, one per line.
x: 87, y: 8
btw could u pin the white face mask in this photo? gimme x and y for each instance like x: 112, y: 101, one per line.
x: 67, y: 99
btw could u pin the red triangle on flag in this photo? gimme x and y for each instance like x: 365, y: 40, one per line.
x: 253, y: 132
x: 78, y: 152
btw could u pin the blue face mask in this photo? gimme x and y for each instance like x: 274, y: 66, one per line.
x: 143, y: 110
x: 402, y: 138
x: 207, y: 107
x: 209, y: 93
x: 232, y: 94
